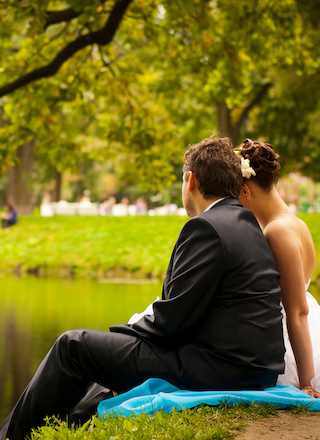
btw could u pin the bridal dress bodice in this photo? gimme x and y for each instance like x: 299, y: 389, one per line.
x: 290, y: 376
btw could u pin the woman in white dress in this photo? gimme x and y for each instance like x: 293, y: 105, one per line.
x: 293, y: 249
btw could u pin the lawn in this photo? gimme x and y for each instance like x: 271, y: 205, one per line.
x: 101, y: 246
x: 90, y: 246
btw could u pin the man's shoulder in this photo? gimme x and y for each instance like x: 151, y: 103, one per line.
x: 223, y: 217
x: 227, y: 208
x: 214, y: 221
x: 229, y: 215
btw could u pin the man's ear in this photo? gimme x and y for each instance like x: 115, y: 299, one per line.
x: 246, y: 191
x: 192, y: 182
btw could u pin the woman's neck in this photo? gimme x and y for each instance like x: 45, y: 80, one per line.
x: 268, y: 206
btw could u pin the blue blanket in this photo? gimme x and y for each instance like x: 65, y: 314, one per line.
x: 157, y: 394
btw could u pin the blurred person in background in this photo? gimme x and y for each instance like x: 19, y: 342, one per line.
x: 9, y: 218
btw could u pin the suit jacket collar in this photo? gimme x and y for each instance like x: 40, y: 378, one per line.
x: 229, y: 201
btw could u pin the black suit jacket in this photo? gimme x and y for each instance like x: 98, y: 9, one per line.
x: 220, y: 302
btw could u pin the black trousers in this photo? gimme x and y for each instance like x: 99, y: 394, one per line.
x: 83, y: 365
x: 77, y: 359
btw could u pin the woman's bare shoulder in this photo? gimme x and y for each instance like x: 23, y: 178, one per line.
x: 285, y: 228
x: 289, y: 236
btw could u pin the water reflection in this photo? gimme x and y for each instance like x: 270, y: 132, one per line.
x: 15, y: 367
x: 33, y: 312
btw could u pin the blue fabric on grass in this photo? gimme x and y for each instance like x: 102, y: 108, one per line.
x: 157, y: 394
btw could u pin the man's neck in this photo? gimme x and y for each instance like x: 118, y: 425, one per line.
x: 202, y: 204
x: 213, y: 203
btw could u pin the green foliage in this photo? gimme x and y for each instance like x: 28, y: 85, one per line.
x: 141, y: 99
x: 287, y: 118
x: 289, y: 121
x: 88, y: 110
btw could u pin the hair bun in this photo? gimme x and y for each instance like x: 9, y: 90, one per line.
x: 264, y: 160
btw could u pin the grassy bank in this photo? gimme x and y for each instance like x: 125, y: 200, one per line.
x: 100, y: 246
x: 90, y: 246
x: 203, y: 423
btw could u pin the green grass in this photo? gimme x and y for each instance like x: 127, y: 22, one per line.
x: 313, y: 223
x: 91, y: 246
x: 101, y: 246
x: 203, y: 423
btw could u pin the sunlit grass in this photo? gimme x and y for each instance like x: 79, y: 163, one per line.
x: 91, y: 245
x: 101, y: 246
x: 203, y: 422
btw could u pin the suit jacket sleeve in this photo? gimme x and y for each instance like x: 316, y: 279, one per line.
x: 195, y: 270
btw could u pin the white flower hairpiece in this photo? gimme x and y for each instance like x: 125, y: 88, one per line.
x: 246, y: 169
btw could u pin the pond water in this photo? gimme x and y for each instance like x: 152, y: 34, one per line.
x: 34, y: 312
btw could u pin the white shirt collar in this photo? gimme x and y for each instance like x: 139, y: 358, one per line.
x: 214, y: 203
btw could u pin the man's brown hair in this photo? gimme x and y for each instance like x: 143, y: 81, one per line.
x: 216, y: 167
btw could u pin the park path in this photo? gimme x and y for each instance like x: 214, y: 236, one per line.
x: 286, y: 426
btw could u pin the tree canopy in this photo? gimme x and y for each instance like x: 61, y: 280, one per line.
x: 135, y: 81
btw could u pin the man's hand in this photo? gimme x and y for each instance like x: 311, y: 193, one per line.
x: 310, y: 391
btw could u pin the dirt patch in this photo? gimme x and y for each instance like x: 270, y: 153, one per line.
x: 287, y: 426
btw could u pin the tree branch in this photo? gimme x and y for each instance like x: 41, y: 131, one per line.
x: 237, y: 126
x: 55, y: 17
x: 102, y: 37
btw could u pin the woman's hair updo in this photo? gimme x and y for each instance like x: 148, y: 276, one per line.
x: 264, y: 160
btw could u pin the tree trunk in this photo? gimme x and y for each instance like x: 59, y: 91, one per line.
x: 56, y: 194
x: 79, y: 193
x: 20, y: 193
x: 225, y: 128
x: 232, y: 130
x: 235, y: 133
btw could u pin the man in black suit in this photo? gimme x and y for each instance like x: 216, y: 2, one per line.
x: 217, y: 327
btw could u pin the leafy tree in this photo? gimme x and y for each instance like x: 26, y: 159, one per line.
x: 96, y: 23
x: 135, y: 81
x: 58, y: 112
x: 31, y: 33
x: 235, y: 60
x: 289, y: 117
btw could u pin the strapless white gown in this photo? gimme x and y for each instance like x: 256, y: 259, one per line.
x: 290, y: 376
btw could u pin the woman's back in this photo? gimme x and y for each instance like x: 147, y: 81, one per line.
x: 287, y: 228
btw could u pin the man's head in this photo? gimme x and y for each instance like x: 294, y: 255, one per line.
x: 215, y: 167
